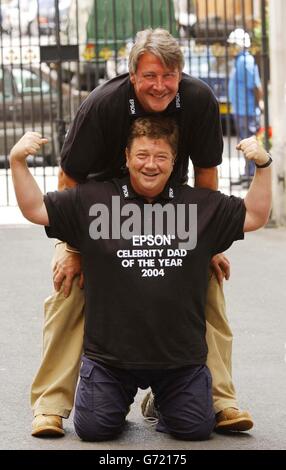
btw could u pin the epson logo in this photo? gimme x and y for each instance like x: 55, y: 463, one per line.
x: 125, y: 191
x: 178, y: 101
x: 132, y: 106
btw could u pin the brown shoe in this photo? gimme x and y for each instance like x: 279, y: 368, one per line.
x: 47, y: 425
x: 231, y: 419
x: 148, y: 407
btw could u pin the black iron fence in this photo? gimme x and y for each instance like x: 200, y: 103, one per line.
x: 54, y: 52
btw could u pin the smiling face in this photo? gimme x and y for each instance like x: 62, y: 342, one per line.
x: 150, y: 162
x: 155, y: 85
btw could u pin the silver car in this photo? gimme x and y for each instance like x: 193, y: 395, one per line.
x: 27, y: 102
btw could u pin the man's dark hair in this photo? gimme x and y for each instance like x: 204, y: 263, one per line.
x: 155, y: 127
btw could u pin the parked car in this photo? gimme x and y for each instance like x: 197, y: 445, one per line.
x: 17, y: 21
x: 44, y: 21
x: 3, y: 19
x: 34, y: 16
x: 27, y: 102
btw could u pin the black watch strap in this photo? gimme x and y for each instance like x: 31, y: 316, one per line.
x: 265, y: 165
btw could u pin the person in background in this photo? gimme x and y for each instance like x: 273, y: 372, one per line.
x: 245, y: 91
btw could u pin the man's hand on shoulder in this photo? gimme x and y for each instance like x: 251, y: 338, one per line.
x: 221, y: 267
x: 65, y: 270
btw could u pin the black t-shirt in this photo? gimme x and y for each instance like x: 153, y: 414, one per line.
x: 97, y: 138
x: 144, y: 297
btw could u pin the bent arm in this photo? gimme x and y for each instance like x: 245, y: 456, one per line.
x: 208, y: 178
x: 28, y: 194
x: 258, y: 198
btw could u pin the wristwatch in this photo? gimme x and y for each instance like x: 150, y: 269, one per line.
x: 265, y: 165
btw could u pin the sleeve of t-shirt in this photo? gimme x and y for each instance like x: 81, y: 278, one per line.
x: 228, y: 221
x: 207, y: 147
x: 82, y: 151
x: 64, y: 223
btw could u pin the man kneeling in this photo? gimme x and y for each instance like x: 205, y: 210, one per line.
x: 146, y: 246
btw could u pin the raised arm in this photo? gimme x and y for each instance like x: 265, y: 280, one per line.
x: 28, y: 194
x: 259, y: 195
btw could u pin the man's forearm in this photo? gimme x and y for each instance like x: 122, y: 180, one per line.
x: 258, y: 199
x: 28, y: 194
x: 206, y: 178
x: 66, y: 182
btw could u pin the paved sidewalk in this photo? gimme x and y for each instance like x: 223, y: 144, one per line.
x: 256, y: 301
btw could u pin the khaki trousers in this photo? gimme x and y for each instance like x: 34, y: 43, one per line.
x: 53, y: 388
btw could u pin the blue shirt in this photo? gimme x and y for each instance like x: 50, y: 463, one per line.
x: 243, y: 81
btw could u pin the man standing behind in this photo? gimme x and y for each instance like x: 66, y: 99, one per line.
x: 95, y: 145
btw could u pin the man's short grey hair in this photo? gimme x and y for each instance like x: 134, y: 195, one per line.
x: 160, y: 43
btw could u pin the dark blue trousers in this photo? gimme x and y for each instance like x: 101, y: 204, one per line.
x: 183, y: 398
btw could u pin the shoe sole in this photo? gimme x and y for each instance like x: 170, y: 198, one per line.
x: 48, y: 431
x: 144, y: 403
x: 241, y: 424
